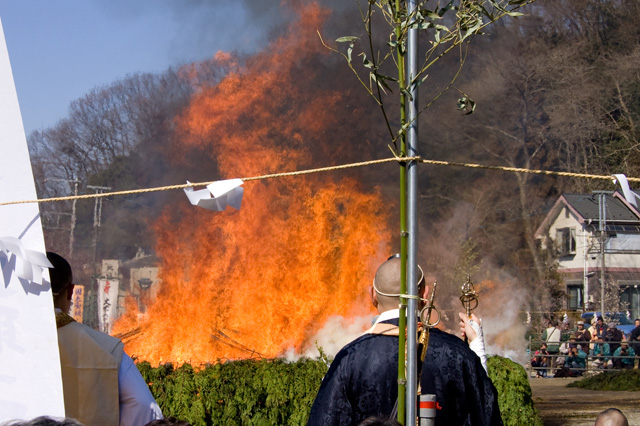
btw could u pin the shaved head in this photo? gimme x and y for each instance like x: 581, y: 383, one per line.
x: 387, y: 281
x: 611, y: 417
x: 388, y: 276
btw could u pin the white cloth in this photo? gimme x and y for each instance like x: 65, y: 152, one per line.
x: 388, y: 315
x: 137, y: 405
x: 476, y: 345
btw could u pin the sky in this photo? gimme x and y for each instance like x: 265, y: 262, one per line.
x: 62, y: 49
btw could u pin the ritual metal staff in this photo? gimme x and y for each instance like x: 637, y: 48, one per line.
x: 469, y: 299
x: 426, y: 325
x: 426, y: 402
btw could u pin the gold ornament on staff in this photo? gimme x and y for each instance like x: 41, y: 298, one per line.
x: 425, y: 316
x: 469, y: 299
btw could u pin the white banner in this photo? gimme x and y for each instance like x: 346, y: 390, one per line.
x: 107, y: 303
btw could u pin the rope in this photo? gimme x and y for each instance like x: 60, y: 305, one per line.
x: 404, y: 296
x: 323, y: 169
x: 521, y: 170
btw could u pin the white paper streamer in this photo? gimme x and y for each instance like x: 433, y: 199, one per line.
x: 631, y: 197
x: 217, y: 195
x: 29, y: 264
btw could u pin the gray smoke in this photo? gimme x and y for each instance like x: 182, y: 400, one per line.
x: 203, y: 27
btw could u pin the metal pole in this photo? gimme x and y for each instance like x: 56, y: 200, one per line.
x: 602, y: 226
x: 97, y: 220
x: 427, y: 410
x: 72, y: 225
x: 529, y: 358
x: 585, y: 273
x: 412, y: 183
x: 73, y: 216
x: 97, y: 215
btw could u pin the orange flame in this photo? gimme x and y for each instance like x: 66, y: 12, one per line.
x: 261, y: 280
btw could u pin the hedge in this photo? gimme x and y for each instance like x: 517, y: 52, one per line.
x: 248, y: 392
x: 514, y: 392
x: 277, y: 392
x: 622, y: 380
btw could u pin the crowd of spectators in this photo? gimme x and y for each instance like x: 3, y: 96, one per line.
x: 570, y: 352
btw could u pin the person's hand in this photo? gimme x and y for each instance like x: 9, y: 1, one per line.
x: 467, y: 326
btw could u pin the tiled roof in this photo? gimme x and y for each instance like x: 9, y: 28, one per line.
x: 588, y: 207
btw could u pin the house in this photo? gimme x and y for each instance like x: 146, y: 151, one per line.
x: 594, y: 237
x: 137, y: 278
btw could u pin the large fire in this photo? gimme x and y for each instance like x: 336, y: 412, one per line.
x: 262, y: 280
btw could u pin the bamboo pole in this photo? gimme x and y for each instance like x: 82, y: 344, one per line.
x: 402, y: 321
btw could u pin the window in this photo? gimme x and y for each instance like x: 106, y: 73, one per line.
x: 566, y: 241
x: 575, y: 300
x: 630, y: 297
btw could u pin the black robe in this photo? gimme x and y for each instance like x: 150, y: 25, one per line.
x: 363, y: 381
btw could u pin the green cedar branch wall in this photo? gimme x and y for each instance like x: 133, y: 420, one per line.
x: 277, y: 392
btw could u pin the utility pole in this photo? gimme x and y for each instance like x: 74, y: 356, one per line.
x: 602, y: 227
x: 97, y: 220
x: 97, y: 216
x: 585, y: 272
x: 73, y: 215
x: 72, y: 225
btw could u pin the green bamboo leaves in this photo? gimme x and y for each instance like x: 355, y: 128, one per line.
x: 445, y: 27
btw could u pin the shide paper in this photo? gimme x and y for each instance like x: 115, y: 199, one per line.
x: 217, y: 195
x: 27, y: 264
x: 629, y: 195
